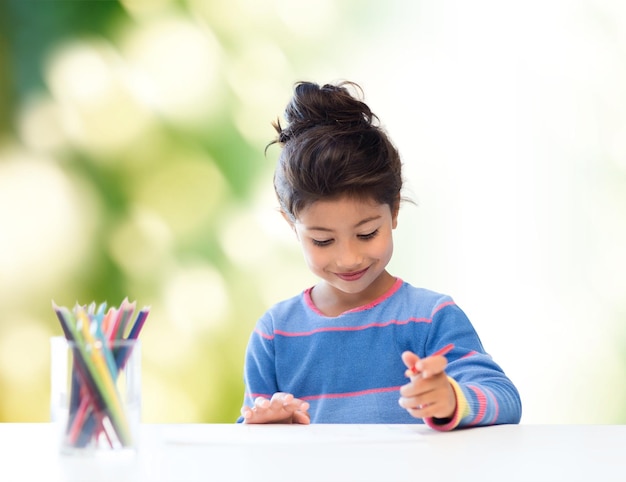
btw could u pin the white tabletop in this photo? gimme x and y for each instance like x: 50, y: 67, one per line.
x: 381, y: 453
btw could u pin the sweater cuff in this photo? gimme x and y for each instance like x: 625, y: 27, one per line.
x: 462, y: 410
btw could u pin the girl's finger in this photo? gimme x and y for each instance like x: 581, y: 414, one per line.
x: 409, y: 359
x: 431, y: 366
x: 282, y: 397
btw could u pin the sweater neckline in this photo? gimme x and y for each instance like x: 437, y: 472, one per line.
x: 390, y: 292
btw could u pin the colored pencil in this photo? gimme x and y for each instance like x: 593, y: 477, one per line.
x: 442, y: 351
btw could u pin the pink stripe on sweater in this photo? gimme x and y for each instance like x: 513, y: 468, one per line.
x: 482, y: 404
x: 497, y: 408
x: 346, y: 328
x: 263, y: 335
x: 442, y: 305
x: 351, y: 394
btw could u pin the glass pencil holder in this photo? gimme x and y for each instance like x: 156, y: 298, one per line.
x: 95, y: 401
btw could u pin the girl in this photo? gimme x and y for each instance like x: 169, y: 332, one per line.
x: 342, y: 350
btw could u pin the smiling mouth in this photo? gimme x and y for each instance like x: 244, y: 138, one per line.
x: 355, y: 275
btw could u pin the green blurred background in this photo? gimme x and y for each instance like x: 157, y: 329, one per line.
x: 131, y: 164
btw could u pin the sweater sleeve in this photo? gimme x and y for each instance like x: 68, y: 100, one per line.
x: 485, y: 395
x: 259, y: 366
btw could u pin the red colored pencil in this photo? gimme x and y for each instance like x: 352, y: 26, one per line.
x: 441, y: 351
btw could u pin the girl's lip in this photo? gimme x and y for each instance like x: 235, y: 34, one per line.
x: 355, y: 275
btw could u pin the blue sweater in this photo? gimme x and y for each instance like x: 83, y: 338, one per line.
x: 349, y: 367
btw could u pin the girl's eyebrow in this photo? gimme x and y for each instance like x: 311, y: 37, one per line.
x: 360, y: 223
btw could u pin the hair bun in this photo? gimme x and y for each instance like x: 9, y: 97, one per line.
x: 329, y: 105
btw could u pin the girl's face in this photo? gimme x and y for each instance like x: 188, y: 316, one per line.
x: 348, y: 243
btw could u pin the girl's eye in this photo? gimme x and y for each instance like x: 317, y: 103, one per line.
x: 371, y: 235
x: 325, y: 242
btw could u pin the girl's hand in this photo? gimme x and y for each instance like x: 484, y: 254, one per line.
x: 429, y: 393
x: 281, y: 408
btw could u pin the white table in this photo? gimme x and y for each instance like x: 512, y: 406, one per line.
x: 381, y: 453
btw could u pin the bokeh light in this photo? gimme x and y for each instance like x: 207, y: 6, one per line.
x: 46, y: 222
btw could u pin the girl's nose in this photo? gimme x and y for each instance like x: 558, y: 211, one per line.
x: 348, y: 256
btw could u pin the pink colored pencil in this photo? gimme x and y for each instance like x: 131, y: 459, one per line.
x: 441, y: 351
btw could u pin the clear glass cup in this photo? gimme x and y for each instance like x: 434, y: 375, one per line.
x: 95, y: 395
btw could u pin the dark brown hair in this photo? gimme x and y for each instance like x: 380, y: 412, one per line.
x: 333, y: 146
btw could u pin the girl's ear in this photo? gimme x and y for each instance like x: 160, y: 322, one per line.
x: 395, y: 209
x: 287, y: 218
x: 290, y: 222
